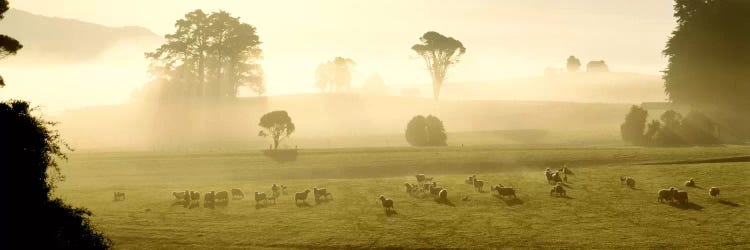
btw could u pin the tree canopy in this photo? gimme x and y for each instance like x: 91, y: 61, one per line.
x: 208, y: 56
x: 709, y: 60
x: 573, y: 64
x: 334, y: 75
x: 426, y: 131
x: 439, y: 53
x: 597, y: 66
x: 8, y: 45
x: 276, y: 124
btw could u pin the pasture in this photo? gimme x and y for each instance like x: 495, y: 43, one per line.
x: 600, y: 212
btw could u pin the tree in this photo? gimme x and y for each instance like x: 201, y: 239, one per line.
x: 276, y: 124
x: 573, y: 64
x: 635, y: 123
x: 708, y: 54
x: 375, y: 85
x: 669, y: 132
x: 31, y: 218
x: 8, y: 45
x: 209, y: 56
x: 439, y: 53
x: 697, y: 128
x: 429, y: 131
x: 597, y: 66
x: 335, y: 74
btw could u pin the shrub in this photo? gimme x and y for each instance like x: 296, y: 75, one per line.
x: 427, y: 131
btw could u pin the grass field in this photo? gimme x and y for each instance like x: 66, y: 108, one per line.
x: 599, y: 213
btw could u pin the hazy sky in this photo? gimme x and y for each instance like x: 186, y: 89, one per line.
x: 504, y: 39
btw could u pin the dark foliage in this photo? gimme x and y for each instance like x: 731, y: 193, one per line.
x: 439, y: 53
x: 597, y: 66
x: 635, y: 123
x: 8, y: 45
x: 573, y: 64
x: 426, y: 131
x: 29, y: 151
x: 708, y: 57
x: 276, y: 124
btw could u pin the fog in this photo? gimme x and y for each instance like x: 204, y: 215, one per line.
x: 500, y: 78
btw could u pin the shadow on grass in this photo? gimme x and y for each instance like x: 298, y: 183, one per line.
x: 390, y: 213
x: 178, y: 203
x: 281, y: 155
x: 636, y: 189
x: 695, y: 186
x: 445, y: 202
x: 194, y: 205
x: 510, y: 201
x: 326, y: 200
x: 562, y: 196
x: 729, y: 203
x: 303, y: 204
x: 260, y: 205
x: 686, y: 206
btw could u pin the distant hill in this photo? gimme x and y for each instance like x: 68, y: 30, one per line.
x: 619, y: 87
x: 60, y: 40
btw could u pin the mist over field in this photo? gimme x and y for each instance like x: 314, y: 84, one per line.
x: 333, y: 124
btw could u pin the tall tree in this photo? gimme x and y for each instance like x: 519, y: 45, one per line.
x: 209, y: 56
x: 709, y: 61
x: 276, y: 124
x: 632, y: 130
x: 335, y: 75
x: 573, y: 64
x: 439, y: 53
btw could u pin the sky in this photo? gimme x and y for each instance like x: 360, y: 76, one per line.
x: 504, y: 39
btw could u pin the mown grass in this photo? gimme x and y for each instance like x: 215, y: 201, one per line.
x: 599, y: 213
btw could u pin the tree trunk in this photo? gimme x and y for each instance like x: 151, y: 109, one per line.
x: 275, y: 143
x: 436, y: 85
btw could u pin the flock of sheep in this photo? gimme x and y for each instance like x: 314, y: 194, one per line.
x: 210, y: 199
x: 425, y: 185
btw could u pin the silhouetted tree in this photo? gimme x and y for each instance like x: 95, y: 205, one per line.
x: 708, y: 57
x: 669, y: 132
x: 439, y: 53
x: 697, y: 128
x: 209, y: 56
x: 335, y: 74
x: 8, y: 45
x: 651, y: 131
x: 276, y: 124
x: 375, y: 85
x: 573, y: 64
x: 30, y: 217
x: 635, y: 123
x: 597, y: 66
x: 429, y: 131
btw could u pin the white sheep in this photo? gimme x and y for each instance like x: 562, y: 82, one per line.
x: 478, y: 184
x: 237, y: 193
x: 690, y: 183
x: 420, y: 177
x: 260, y: 196
x: 505, y: 191
x: 221, y: 196
x: 681, y: 197
x: 665, y: 195
x: 208, y: 198
x: 443, y: 194
x: 630, y: 182
x: 714, y: 192
x: 321, y: 192
x: 179, y: 195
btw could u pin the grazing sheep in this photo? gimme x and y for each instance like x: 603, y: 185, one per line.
x: 119, y: 196
x: 681, y: 197
x: 558, y: 190
x: 283, y: 190
x: 408, y: 187
x: 505, y: 191
x: 208, y: 198
x: 435, y: 190
x: 622, y: 179
x: 548, y: 174
x: 271, y: 199
x: 420, y: 178
x: 221, y: 196
x: 478, y: 184
x: 555, y: 177
x: 665, y: 195
x: 426, y: 186
x: 566, y: 170
x: 387, y: 203
x: 630, y: 182
x: 322, y: 192
x: 276, y: 190
x: 179, y: 195
x: 301, y: 196
x: 690, y: 183
x: 713, y: 192
x: 260, y: 196
x: 237, y: 193
x: 195, y: 197
x: 443, y: 194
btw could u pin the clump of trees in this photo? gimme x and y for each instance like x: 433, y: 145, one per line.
x: 426, y: 131
x: 439, y: 53
x: 335, y: 75
x: 276, y: 124
x: 597, y: 66
x: 375, y: 85
x: 208, y: 57
x: 573, y: 64
x: 708, y: 54
x: 672, y: 129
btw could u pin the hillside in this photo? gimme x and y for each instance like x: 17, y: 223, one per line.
x: 342, y: 120
x: 60, y: 40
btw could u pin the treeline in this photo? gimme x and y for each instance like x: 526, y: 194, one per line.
x: 671, y: 129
